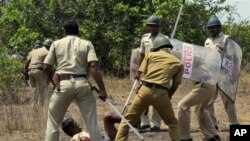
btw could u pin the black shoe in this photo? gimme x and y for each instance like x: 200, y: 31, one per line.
x: 155, y: 128
x: 187, y: 139
x: 143, y: 127
x: 215, y: 138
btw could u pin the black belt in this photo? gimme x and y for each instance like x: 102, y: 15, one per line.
x: 35, y: 69
x: 67, y: 76
x: 153, y: 85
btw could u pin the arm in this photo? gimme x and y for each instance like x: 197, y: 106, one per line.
x: 27, y: 65
x: 173, y: 89
x: 141, y: 59
x: 95, y: 72
x: 55, y: 80
x: 177, y: 78
x: 109, y: 121
x: 26, y: 70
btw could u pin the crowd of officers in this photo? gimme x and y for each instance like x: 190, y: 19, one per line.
x: 67, y: 62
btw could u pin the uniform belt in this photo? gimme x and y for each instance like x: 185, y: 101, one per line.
x: 68, y: 76
x: 153, y: 85
x: 35, y: 69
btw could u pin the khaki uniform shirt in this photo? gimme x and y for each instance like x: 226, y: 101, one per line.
x: 147, y: 42
x: 161, y: 67
x: 220, y: 43
x: 17, y: 57
x: 77, y: 137
x: 71, y: 55
x: 37, y: 57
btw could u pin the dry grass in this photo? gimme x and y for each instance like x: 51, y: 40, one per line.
x: 26, y: 122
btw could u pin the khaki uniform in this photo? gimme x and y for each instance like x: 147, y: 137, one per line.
x: 159, y: 68
x: 146, y: 45
x: 199, y: 97
x: 71, y: 55
x: 37, y: 77
x: 17, y: 57
x: 219, y: 44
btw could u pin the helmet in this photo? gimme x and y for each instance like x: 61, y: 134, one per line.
x: 153, y: 20
x: 47, y: 42
x: 161, y: 42
x: 16, y: 48
x: 213, y: 21
x: 37, y: 44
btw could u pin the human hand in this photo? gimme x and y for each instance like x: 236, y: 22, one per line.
x: 103, y: 96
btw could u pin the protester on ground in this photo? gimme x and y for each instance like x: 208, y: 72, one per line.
x: 71, y: 128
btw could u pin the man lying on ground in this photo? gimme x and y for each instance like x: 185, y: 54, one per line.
x: 71, y: 128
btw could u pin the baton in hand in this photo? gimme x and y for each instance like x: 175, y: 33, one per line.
x: 120, y: 115
x: 126, y: 104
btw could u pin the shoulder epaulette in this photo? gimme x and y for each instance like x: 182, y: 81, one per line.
x: 145, y: 35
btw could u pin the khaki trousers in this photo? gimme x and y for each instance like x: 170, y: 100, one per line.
x: 229, y: 108
x: 199, y: 97
x: 38, y: 80
x: 79, y: 90
x: 155, y: 119
x: 159, y: 99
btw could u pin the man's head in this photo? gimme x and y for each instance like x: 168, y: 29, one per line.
x: 153, y: 24
x: 214, y: 26
x: 16, y: 49
x: 38, y: 44
x: 47, y: 43
x: 70, y: 127
x: 161, y: 42
x: 71, y: 28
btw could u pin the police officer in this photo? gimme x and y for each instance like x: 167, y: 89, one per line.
x: 17, y: 55
x: 34, y: 67
x: 135, y: 58
x: 72, y: 56
x: 199, y: 97
x: 218, y: 41
x: 159, y: 67
x: 38, y: 44
x: 153, y: 24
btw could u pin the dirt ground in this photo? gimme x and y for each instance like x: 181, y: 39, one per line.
x: 24, y: 122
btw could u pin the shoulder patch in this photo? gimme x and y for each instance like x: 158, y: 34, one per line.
x: 145, y: 35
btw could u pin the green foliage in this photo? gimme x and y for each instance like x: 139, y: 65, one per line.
x: 10, y: 78
x: 111, y: 25
x: 240, y: 32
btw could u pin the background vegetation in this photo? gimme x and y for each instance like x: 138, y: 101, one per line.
x: 112, y: 25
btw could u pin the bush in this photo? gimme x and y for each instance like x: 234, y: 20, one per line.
x: 11, y: 79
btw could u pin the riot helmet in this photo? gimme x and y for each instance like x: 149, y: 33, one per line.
x: 47, y: 43
x: 213, y: 21
x: 161, y: 42
x: 16, y: 48
x: 153, y: 20
x: 38, y: 44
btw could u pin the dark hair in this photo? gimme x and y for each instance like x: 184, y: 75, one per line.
x: 66, y: 126
x: 71, y: 27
